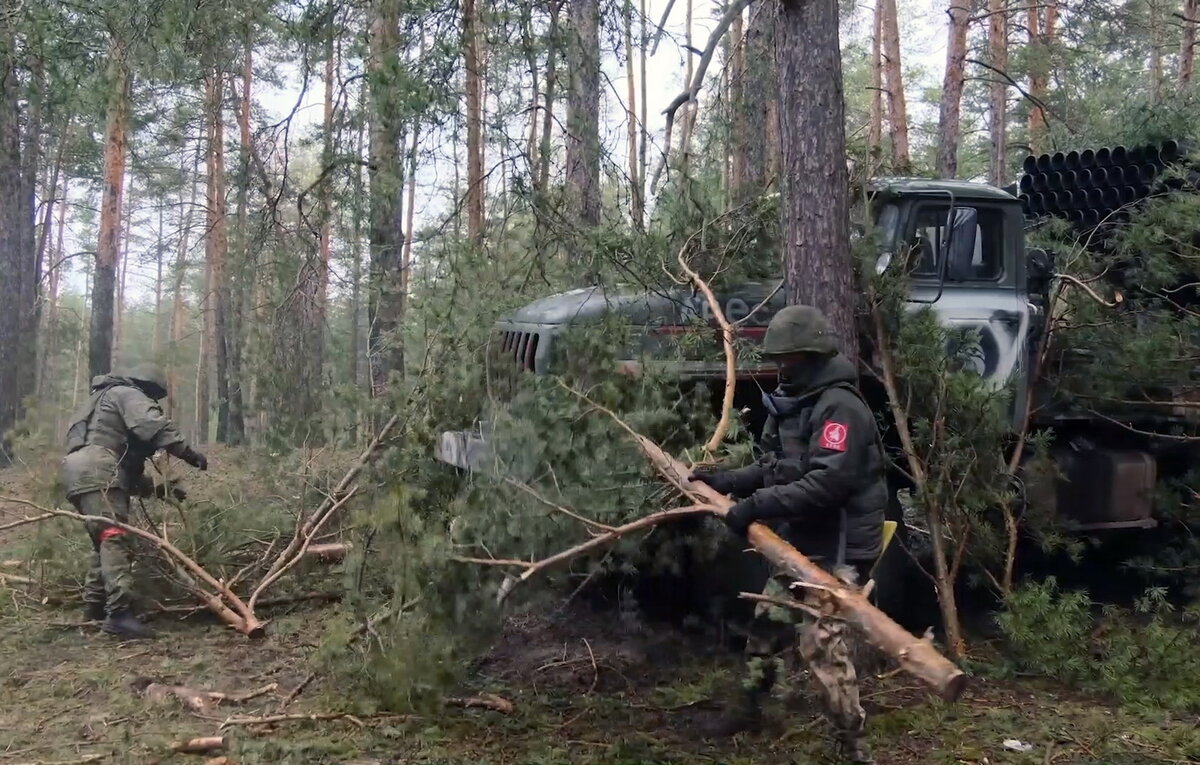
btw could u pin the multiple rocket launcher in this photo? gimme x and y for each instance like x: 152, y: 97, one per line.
x: 1097, y: 187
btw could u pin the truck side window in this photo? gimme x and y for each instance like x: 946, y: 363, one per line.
x: 928, y: 233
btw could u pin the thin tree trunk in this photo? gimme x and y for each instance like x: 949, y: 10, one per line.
x: 12, y: 259
x: 386, y: 305
x: 108, y: 248
x: 998, y: 52
x: 737, y: 82
x: 216, y: 251
x: 548, y: 109
x: 815, y: 207
x: 631, y: 136
x: 1042, y: 21
x: 160, y: 249
x: 875, y: 126
x: 688, y: 121
x: 474, y: 88
x: 583, y: 117
x: 1187, y: 44
x: 644, y: 139
x: 535, y: 90
x: 49, y: 345
x: 177, y: 313
x: 122, y: 273
x: 240, y: 402
x: 1157, y: 73
x: 360, y: 190
x: 897, y: 103
x: 412, y: 208
x: 950, y: 110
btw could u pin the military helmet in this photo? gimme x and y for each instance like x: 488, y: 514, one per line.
x: 149, y: 377
x: 799, y: 329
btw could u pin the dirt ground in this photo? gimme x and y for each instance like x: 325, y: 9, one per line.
x: 586, y: 687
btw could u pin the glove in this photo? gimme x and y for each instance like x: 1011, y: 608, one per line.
x: 194, y: 458
x: 740, y: 516
x: 718, y: 480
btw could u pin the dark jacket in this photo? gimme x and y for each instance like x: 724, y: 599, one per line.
x: 111, y: 437
x: 823, y: 465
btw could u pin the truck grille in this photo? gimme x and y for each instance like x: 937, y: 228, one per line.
x: 520, y: 347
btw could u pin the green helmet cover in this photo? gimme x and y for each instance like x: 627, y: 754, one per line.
x: 799, y: 329
x: 149, y: 377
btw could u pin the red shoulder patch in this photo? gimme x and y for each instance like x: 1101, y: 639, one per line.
x: 834, y: 436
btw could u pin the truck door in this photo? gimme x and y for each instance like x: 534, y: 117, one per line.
x: 989, y: 296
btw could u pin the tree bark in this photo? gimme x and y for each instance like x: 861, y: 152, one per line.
x: 386, y: 302
x: 216, y: 251
x: 1187, y: 44
x: 1157, y: 72
x: 897, y: 103
x: 998, y: 53
x: 108, y: 247
x: 552, y: 45
x: 1042, y: 20
x: 12, y: 258
x: 241, y: 401
x: 175, y: 333
x: 756, y: 132
x: 875, y: 125
x: 814, y: 206
x: 950, y: 110
x: 631, y: 136
x: 644, y: 137
x: 474, y: 88
x: 583, y: 115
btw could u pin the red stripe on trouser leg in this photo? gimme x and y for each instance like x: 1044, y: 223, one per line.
x: 110, y: 532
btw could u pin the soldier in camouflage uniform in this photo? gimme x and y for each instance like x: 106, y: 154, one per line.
x: 108, y: 442
x: 821, y: 485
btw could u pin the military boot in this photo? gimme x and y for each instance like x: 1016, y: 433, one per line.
x: 853, y: 749
x: 124, y: 624
x: 743, y: 713
x: 93, y: 612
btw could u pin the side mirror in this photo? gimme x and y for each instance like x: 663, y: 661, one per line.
x: 960, y: 249
x: 1039, y: 269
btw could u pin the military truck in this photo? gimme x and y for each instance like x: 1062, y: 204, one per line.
x: 964, y: 246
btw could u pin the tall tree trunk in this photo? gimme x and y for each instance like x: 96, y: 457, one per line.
x: 1157, y: 44
x: 758, y: 135
x: 737, y: 82
x: 175, y: 331
x: 644, y: 139
x: 998, y: 53
x: 893, y: 74
x: 583, y: 115
x: 216, y: 251
x: 386, y: 303
x: 690, y: 109
x: 950, y: 110
x: 122, y: 273
x: 49, y: 344
x: 360, y: 192
x: 1042, y: 21
x: 631, y: 137
x: 12, y: 258
x: 108, y: 248
x: 241, y: 398
x: 552, y: 45
x: 474, y: 88
x: 1187, y: 44
x: 815, y: 207
x: 160, y: 249
x: 875, y: 125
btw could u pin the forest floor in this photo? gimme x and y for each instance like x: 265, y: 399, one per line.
x: 586, y: 687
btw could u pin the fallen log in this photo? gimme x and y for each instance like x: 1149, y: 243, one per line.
x: 916, y: 656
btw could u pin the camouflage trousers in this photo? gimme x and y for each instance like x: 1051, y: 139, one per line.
x: 823, y: 644
x: 110, y: 569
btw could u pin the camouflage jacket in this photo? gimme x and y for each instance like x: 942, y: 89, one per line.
x: 112, y: 435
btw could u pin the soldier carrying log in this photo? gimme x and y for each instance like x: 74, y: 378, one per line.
x: 821, y: 483
x: 108, y: 442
